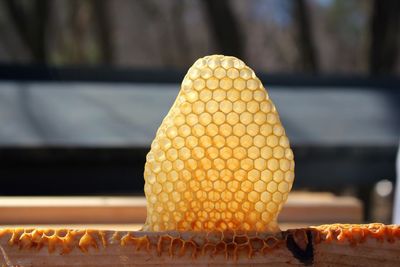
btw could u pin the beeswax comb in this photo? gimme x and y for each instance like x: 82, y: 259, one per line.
x: 220, y: 159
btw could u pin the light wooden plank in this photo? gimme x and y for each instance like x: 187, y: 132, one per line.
x: 311, y: 208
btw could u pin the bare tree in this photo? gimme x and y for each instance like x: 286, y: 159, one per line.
x: 304, y: 38
x: 225, y: 27
x: 385, y: 25
x: 30, y: 21
x: 103, y: 24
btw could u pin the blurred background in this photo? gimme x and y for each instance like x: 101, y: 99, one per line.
x: 85, y: 84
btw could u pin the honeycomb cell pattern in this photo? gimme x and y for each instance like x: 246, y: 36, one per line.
x: 221, y: 159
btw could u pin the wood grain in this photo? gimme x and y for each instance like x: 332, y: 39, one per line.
x: 303, y: 208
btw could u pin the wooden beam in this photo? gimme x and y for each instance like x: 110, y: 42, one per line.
x: 326, y: 245
x: 309, y: 208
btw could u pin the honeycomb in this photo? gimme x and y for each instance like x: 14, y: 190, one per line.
x: 220, y: 159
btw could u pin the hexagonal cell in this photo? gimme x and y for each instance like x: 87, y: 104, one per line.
x: 240, y: 196
x: 284, y: 141
x: 260, y: 206
x: 194, y: 185
x: 157, y: 188
x: 212, y: 83
x: 260, y: 186
x: 260, y: 96
x: 214, y: 62
x: 172, y: 154
x: 246, y: 186
x: 205, y: 163
x: 219, y: 118
x: 253, y: 106
x: 277, y: 197
x: 253, y: 152
x: 192, y: 96
x: 219, y: 186
x: 225, y: 130
x: 246, y: 141
x: 198, y: 107
x: 239, y: 106
x: 246, y: 73
x: 205, y: 95
x: 180, y: 186
x: 284, y: 164
x: 205, y: 141
x: 289, y: 176
x: 289, y: 154
x: 272, y: 187
x: 191, y: 142
x: 184, y: 153
x: 283, y: 187
x: 213, y: 175
x: 278, y: 176
x: 278, y: 152
x: 155, y: 166
x: 192, y: 119
x: 151, y: 178
x: 265, y: 197
x: 226, y: 175
x: 253, y: 84
x: 219, y: 164
x: 219, y: 95
x: 253, y: 196
x: 206, y: 185
x: 239, y: 84
x: 226, y: 196
x: 239, y: 130
x: 273, y: 164
x: 212, y: 129
x: 212, y: 106
x: 247, y: 206
x: 206, y: 73
x: 260, y: 118
x: 246, y: 117
x: 201, y: 195
x: 166, y: 166
x: 266, y: 216
x: 186, y: 108
x: 219, y: 72
x: 272, y: 207
x: 199, y: 84
x: 208, y: 205
x: 232, y: 164
x: 239, y: 153
x: 233, y: 186
x: 225, y: 152
x: 271, y: 118
x: 199, y: 174
x: 252, y: 129
x: 185, y: 175
x: 260, y: 164
x: 259, y: 141
x: 232, y: 118
x: 246, y: 164
x: 214, y: 196
x: 240, y: 175
x: 159, y: 155
x: 226, y: 106
x: 219, y: 141
x: 168, y: 187
x: 253, y: 175
x: 178, y: 165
